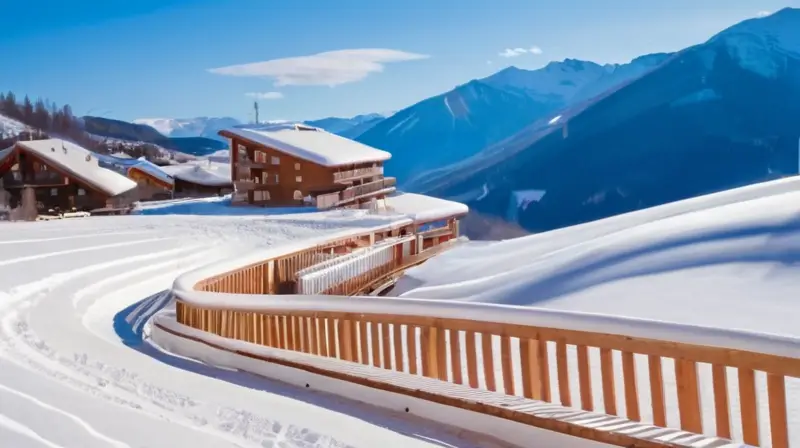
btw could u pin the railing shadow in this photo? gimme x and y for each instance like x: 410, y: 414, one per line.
x: 129, y: 325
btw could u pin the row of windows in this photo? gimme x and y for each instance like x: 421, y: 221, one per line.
x: 261, y: 196
x: 54, y: 192
x: 265, y: 179
x: 261, y: 157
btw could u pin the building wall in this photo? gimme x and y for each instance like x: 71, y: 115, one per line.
x: 188, y: 189
x: 295, y: 177
x: 148, y: 187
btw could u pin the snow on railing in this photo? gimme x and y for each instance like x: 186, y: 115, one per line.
x: 329, y: 274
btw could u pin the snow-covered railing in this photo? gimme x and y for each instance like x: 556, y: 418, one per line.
x: 702, y: 380
x: 347, y: 274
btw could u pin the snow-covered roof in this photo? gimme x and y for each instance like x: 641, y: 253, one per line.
x: 201, y: 172
x: 310, y: 143
x: 80, y: 163
x: 423, y: 208
x: 152, y: 170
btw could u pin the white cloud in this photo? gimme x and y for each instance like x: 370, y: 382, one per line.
x: 519, y: 51
x: 330, y: 68
x: 265, y: 95
x: 763, y: 13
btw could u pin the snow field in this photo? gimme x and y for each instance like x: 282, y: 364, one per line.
x: 75, y: 297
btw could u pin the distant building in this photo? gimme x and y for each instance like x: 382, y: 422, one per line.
x: 200, y: 179
x: 46, y: 174
x: 154, y: 184
x: 290, y: 165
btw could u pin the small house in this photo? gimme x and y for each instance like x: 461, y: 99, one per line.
x: 55, y: 173
x: 200, y: 178
x: 291, y: 165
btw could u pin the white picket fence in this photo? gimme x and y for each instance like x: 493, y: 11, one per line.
x: 324, y: 276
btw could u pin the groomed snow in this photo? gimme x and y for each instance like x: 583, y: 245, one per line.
x: 81, y: 163
x: 727, y: 260
x: 75, y: 372
x: 421, y: 208
x: 310, y: 143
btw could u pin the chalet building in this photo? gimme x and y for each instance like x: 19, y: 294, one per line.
x: 41, y: 175
x: 153, y: 183
x: 292, y: 165
x: 434, y: 221
x: 200, y: 179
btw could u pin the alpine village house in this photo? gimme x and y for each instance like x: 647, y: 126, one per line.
x: 292, y: 165
x: 43, y: 175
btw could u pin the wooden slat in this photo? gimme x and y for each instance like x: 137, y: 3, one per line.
x: 507, y: 365
x: 375, y: 345
x: 427, y: 351
x: 530, y: 377
x: 488, y: 361
x: 688, y: 396
x: 455, y: 356
x: 778, y: 421
x: 657, y: 400
x: 563, y: 373
x: 332, y: 338
x: 607, y: 376
x: 543, y: 362
x: 363, y: 342
x: 472, y: 359
x: 631, y: 387
x: 441, y: 354
x: 411, y: 346
x: 722, y: 414
x: 585, y: 378
x: 748, y: 405
x: 312, y: 323
x: 386, y: 339
x: 397, y: 342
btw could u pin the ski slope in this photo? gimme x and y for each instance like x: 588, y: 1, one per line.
x: 75, y: 297
x: 726, y: 260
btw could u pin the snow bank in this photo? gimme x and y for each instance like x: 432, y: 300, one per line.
x: 310, y: 143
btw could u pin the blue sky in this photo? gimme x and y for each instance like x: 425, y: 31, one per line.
x: 155, y: 58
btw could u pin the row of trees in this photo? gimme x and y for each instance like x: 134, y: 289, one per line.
x: 49, y: 120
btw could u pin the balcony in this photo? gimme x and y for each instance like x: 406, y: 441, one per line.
x: 358, y: 173
x: 39, y: 179
x: 357, y: 191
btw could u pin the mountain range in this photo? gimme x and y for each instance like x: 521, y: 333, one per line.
x: 717, y: 115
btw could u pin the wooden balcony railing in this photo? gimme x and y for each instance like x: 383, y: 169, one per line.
x: 351, y: 175
x: 371, y: 187
x: 37, y: 179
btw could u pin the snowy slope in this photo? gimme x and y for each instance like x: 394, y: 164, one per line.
x: 727, y: 260
x: 10, y: 127
x: 75, y: 297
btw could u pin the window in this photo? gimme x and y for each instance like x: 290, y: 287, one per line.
x: 297, y: 167
x: 298, y: 196
x: 298, y: 179
x: 54, y: 192
x: 81, y: 192
x: 277, y: 181
x: 261, y: 196
x: 276, y: 160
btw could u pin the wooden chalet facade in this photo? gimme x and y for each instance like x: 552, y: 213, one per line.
x: 196, y: 180
x: 292, y: 165
x: 151, y: 186
x: 43, y: 175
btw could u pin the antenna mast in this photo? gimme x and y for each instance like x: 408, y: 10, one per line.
x: 255, y: 106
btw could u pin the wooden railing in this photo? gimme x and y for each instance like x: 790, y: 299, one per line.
x: 370, y: 187
x: 535, y: 362
x: 349, y: 175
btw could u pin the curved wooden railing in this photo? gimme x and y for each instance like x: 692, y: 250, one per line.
x: 702, y: 380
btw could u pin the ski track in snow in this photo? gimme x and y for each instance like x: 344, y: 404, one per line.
x: 75, y: 372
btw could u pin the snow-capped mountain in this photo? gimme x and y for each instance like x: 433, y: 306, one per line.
x: 714, y: 116
x: 455, y: 125
x: 348, y: 127
x: 206, y: 127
